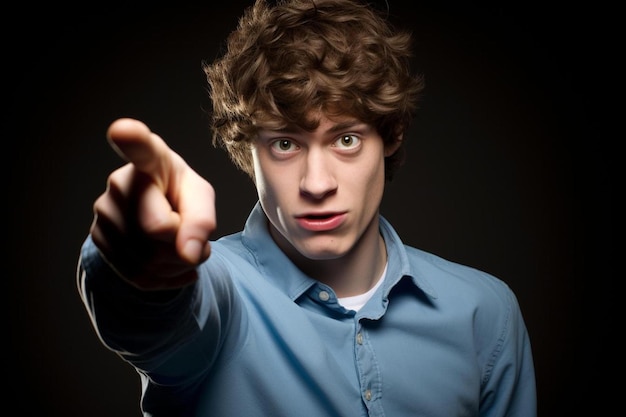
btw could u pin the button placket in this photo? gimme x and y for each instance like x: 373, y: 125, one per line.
x: 369, y: 374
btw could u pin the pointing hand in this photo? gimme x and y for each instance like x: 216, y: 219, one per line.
x: 153, y: 221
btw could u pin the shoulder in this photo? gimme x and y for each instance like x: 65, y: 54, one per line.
x: 228, y: 251
x: 445, y: 280
x: 461, y: 285
x: 471, y: 298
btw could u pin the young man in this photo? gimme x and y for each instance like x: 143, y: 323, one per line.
x: 316, y: 308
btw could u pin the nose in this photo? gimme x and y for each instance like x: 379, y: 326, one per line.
x: 318, y: 179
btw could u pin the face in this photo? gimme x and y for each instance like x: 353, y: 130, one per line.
x: 321, y: 190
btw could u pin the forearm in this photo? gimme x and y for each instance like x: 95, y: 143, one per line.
x: 129, y: 321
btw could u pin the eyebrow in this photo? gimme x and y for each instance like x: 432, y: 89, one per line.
x: 348, y: 124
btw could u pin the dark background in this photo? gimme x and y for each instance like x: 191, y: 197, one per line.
x: 509, y: 170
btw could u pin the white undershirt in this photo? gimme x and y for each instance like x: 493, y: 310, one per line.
x: 355, y: 302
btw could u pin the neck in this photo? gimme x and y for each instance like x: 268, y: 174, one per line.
x: 354, y: 272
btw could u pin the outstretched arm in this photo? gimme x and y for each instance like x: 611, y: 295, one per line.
x: 153, y: 221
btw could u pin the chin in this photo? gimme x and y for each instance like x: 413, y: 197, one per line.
x: 322, y: 253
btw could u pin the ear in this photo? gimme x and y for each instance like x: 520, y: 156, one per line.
x: 391, y: 148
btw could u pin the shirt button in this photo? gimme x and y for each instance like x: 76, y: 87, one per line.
x: 359, y: 338
x: 368, y: 395
x: 323, y: 295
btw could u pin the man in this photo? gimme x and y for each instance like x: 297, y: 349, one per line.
x: 316, y: 308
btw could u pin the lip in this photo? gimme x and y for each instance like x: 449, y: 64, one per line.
x: 321, y: 222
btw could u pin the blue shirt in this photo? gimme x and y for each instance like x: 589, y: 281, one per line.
x: 256, y: 337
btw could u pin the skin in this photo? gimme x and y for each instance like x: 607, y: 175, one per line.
x: 321, y: 191
x: 155, y: 202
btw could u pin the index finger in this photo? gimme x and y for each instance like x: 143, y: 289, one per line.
x: 186, y: 192
x: 135, y: 143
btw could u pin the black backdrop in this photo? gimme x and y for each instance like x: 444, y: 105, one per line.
x: 507, y: 171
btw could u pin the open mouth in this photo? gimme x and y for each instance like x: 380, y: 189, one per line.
x: 318, y: 216
x: 322, y: 221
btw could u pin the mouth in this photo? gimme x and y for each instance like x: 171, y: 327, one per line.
x: 318, y: 216
x: 319, y: 222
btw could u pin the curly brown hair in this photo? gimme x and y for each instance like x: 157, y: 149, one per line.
x: 296, y: 58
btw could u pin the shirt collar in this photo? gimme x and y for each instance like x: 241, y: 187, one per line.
x: 398, y: 265
x: 271, y: 261
x: 278, y: 268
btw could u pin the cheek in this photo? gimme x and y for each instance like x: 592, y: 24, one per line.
x: 260, y: 179
x: 263, y: 185
x: 373, y: 187
x: 373, y: 174
x: 269, y: 183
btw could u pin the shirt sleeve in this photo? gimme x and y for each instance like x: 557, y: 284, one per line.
x: 155, y: 332
x: 127, y: 319
x: 509, y: 378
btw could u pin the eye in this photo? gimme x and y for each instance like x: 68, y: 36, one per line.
x: 283, y: 146
x: 347, y: 142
